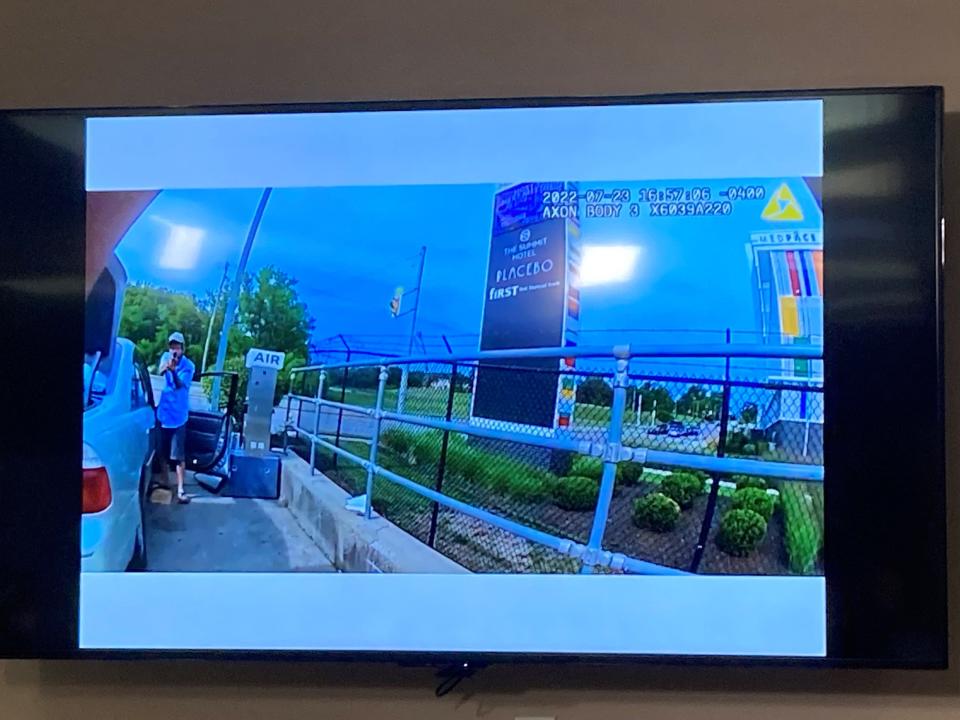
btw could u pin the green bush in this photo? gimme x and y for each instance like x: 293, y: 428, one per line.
x: 735, y: 442
x: 656, y: 512
x: 630, y: 472
x: 393, y: 461
x: 802, y: 505
x: 576, y: 492
x: 426, y: 447
x: 683, y: 487
x: 501, y: 473
x: 467, y: 462
x: 753, y: 498
x: 749, y: 481
x: 398, y: 440
x: 587, y: 466
x: 519, y: 480
x: 528, y: 484
x: 456, y: 440
x: 741, y: 530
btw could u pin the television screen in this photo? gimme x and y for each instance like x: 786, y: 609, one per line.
x: 643, y: 377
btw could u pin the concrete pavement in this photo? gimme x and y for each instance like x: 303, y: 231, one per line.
x: 216, y: 534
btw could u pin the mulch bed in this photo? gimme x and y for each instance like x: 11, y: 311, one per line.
x: 673, y: 549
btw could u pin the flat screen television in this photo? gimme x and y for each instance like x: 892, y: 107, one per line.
x: 631, y: 378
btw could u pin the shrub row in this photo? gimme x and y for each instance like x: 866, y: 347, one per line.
x: 495, y: 471
x: 802, y: 524
x: 656, y: 512
x: 752, y: 481
x: 628, y: 473
x: 576, y: 492
x: 683, y: 487
x: 660, y: 511
x: 744, y: 525
x: 742, y: 528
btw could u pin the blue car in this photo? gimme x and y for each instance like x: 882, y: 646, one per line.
x: 119, y: 436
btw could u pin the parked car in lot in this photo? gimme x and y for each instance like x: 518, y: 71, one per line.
x: 661, y: 429
x: 119, y: 435
x: 676, y: 429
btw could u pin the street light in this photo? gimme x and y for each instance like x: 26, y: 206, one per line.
x: 234, y: 296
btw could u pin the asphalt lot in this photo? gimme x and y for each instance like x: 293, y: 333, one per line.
x: 218, y: 534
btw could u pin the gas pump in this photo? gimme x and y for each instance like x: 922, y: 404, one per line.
x: 254, y: 468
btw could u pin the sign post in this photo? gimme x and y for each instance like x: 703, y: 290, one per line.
x: 531, y: 300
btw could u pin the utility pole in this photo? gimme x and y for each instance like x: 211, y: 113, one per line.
x: 402, y: 393
x: 234, y: 296
x: 213, y: 316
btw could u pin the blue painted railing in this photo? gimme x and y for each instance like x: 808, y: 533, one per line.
x: 610, y: 450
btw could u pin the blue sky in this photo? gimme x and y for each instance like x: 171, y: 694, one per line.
x: 350, y: 247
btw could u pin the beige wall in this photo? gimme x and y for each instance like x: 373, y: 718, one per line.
x: 155, y: 53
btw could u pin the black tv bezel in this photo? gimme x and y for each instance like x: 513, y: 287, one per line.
x: 933, y: 592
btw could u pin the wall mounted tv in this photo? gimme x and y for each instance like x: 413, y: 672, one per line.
x: 632, y: 378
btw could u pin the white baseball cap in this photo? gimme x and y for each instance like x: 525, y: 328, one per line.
x: 176, y: 337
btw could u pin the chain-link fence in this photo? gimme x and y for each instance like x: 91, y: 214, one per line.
x: 549, y: 464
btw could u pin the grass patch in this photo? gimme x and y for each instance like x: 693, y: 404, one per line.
x: 397, y: 439
x: 419, y: 401
x: 802, y: 505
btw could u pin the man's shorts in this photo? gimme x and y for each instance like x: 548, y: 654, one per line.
x: 173, y: 444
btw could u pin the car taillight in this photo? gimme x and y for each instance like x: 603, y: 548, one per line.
x: 97, y: 495
x: 96, y: 490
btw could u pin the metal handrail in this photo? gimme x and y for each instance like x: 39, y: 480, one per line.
x: 564, y: 546
x: 610, y: 450
x: 626, y: 352
x: 595, y: 448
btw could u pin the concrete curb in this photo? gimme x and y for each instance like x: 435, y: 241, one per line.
x: 353, y: 543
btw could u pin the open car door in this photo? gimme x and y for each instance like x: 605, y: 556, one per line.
x: 102, y: 322
x: 210, y: 426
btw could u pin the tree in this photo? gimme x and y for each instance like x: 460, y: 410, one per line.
x: 697, y: 402
x: 714, y: 406
x: 269, y: 315
x: 657, y: 396
x: 594, y: 391
x: 749, y: 413
x: 149, y: 316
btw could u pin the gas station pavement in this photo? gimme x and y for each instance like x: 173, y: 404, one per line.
x: 220, y: 534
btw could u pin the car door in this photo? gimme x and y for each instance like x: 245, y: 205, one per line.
x: 146, y: 408
x: 208, y: 430
x: 118, y: 430
x: 138, y: 429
